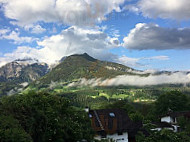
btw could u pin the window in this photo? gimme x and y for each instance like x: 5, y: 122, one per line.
x: 120, y: 133
x: 90, y: 115
x: 112, y: 114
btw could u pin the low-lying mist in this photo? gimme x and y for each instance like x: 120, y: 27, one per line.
x: 136, y: 80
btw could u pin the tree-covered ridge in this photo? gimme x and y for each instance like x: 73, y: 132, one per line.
x: 40, y: 118
x: 83, y: 66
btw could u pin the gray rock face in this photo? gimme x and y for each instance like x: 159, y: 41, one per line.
x: 10, y: 71
x: 21, y: 71
x: 13, y: 75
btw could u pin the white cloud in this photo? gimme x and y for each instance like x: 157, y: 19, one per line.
x: 70, y: 41
x: 15, y: 37
x: 175, y: 78
x: 135, y: 80
x: 21, y: 52
x: 131, y: 62
x: 115, y: 42
x: 172, y: 9
x: 71, y: 12
x: 4, y: 31
x: 136, y: 62
x: 132, y: 8
x: 37, y: 29
x: 162, y: 58
x: 3, y: 61
x: 76, y: 40
x: 151, y: 36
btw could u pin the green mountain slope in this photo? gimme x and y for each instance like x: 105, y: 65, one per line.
x: 83, y: 66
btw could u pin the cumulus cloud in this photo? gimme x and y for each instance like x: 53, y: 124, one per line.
x: 70, y: 41
x: 71, y: 12
x: 132, y: 8
x: 115, y: 42
x: 4, y: 31
x: 131, y: 80
x: 14, y: 36
x: 3, y: 61
x: 172, y: 9
x: 21, y: 52
x: 151, y: 36
x: 75, y: 40
x: 37, y: 29
x: 131, y: 62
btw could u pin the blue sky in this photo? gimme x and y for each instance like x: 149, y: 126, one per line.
x: 143, y: 34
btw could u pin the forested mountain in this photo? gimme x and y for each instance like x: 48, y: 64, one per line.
x: 79, y: 66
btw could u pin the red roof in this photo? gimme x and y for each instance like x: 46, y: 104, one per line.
x: 110, y: 121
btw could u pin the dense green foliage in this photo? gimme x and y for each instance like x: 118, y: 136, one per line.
x: 11, y: 130
x: 163, y: 136
x: 6, y: 87
x: 184, y: 124
x: 45, y: 118
x: 172, y: 101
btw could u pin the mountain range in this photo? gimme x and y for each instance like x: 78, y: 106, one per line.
x: 21, y: 72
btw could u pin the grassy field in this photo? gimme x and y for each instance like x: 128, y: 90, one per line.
x: 100, y: 96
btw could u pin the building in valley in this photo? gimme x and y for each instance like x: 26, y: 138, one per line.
x: 113, y: 124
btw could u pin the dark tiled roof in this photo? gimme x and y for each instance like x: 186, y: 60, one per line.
x: 117, y: 123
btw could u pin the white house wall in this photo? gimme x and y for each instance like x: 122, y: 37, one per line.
x: 167, y: 119
x: 116, y: 137
x: 119, y: 138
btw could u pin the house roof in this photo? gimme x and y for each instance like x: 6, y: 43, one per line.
x: 112, y: 121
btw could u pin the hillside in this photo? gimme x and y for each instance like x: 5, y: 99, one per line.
x: 84, y: 66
